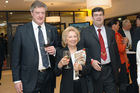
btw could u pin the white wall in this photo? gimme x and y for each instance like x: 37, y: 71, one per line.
x: 122, y: 7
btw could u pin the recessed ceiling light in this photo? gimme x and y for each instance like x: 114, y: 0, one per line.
x: 119, y: 19
x: 11, y: 13
x: 6, y: 1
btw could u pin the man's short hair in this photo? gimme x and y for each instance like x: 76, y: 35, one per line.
x: 97, y: 9
x: 38, y: 4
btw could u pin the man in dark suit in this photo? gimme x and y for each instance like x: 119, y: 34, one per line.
x: 32, y: 62
x: 136, y: 36
x: 100, y: 43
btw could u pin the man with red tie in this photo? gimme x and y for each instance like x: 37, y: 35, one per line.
x: 102, y: 49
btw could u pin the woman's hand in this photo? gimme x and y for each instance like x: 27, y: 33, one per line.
x: 77, y: 67
x: 64, y: 61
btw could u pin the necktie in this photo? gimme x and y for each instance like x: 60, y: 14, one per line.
x: 103, y: 50
x: 45, y: 60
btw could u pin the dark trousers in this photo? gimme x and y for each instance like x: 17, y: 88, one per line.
x: 123, y: 79
x: 106, y: 82
x: 133, y: 72
x: 77, y: 86
x: 43, y: 83
x: 1, y: 64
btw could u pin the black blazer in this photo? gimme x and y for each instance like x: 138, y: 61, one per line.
x: 90, y: 41
x: 25, y: 57
x: 67, y: 74
x: 136, y: 38
x: 2, y: 50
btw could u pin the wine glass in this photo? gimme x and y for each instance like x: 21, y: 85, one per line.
x: 67, y: 54
x: 48, y: 42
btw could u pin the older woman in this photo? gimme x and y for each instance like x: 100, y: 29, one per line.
x: 71, y: 83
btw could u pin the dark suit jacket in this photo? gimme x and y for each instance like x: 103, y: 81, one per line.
x: 90, y: 41
x: 25, y: 57
x: 67, y: 74
x: 136, y: 38
x: 2, y: 50
x: 2, y: 54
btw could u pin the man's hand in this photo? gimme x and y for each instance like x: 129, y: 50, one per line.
x: 51, y: 50
x: 96, y: 65
x: 125, y: 40
x: 19, y: 87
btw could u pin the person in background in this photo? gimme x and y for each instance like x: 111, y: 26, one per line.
x: 127, y: 32
x: 138, y: 21
x: 101, y: 46
x: 70, y: 82
x: 136, y: 35
x: 121, y: 43
x: 138, y: 64
x: 32, y: 59
x: 2, y: 54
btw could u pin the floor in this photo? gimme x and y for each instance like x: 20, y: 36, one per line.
x: 7, y: 85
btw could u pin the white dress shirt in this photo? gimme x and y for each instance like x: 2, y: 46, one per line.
x: 138, y: 61
x: 36, y: 30
x: 103, y: 33
x: 128, y: 35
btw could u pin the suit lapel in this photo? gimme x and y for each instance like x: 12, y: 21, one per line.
x: 30, y: 32
x: 93, y: 32
x: 108, y: 36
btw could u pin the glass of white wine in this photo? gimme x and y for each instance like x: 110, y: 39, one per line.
x: 67, y: 54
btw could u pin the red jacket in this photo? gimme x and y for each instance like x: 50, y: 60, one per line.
x: 121, y: 49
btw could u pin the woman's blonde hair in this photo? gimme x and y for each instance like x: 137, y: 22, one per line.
x: 65, y: 34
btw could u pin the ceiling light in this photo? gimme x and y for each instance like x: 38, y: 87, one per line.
x: 6, y: 1
x: 11, y: 13
x: 99, y: 3
x: 3, y: 24
x: 119, y: 19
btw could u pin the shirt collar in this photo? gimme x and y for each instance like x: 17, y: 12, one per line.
x: 102, y: 27
x: 36, y: 25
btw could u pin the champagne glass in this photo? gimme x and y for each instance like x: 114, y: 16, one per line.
x: 67, y: 54
x: 48, y: 42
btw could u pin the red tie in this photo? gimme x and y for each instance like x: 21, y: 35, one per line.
x: 103, y: 50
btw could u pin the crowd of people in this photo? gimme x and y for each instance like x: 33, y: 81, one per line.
x: 96, y: 59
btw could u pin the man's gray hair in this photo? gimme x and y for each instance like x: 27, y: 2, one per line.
x: 125, y: 22
x: 38, y: 4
